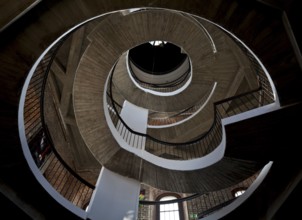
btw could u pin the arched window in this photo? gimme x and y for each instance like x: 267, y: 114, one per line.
x: 170, y: 211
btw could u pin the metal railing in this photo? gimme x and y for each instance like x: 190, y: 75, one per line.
x: 258, y: 70
x: 207, y: 142
x: 201, y: 145
x: 179, y: 151
x: 156, y: 118
x: 197, y: 206
x: 62, y: 178
x: 77, y: 190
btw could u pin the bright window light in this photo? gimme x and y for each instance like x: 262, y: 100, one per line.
x: 169, y: 211
x: 239, y: 193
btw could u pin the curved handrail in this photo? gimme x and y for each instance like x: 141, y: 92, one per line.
x: 50, y: 163
x: 201, y: 205
x: 164, y: 118
x: 224, y: 108
x: 201, y: 145
x: 157, y: 202
x: 62, y: 161
x: 264, y: 80
x: 111, y: 93
x: 208, y: 141
x: 44, y: 124
x: 138, y: 133
x: 203, y: 29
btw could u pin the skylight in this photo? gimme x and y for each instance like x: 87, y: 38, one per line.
x: 157, y: 42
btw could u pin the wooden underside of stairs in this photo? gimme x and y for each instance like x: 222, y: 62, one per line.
x: 26, y: 39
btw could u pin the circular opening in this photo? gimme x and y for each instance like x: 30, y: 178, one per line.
x: 157, y: 57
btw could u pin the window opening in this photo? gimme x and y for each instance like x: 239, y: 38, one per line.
x: 238, y: 191
x: 169, y: 211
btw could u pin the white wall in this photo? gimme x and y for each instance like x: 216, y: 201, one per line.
x: 115, y: 198
x: 135, y: 117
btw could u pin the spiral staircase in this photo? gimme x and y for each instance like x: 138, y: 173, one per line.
x: 251, y: 142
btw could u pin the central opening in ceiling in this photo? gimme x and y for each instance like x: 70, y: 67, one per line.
x: 157, y: 57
